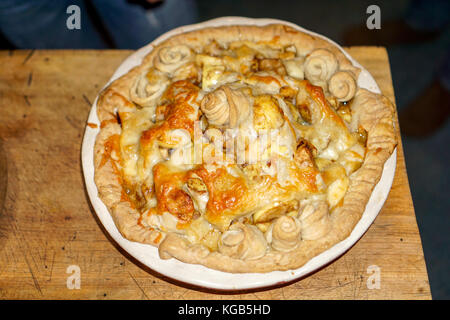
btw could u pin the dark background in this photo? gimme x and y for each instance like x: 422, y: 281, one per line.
x: 416, y: 63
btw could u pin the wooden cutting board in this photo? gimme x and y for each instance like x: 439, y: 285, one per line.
x: 47, y: 224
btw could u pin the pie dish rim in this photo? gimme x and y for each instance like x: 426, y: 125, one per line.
x: 228, y: 281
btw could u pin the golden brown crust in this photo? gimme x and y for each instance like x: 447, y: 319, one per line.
x: 371, y: 112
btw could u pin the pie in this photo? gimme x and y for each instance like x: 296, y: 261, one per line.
x: 241, y: 148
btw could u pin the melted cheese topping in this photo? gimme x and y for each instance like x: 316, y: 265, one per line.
x: 304, y: 147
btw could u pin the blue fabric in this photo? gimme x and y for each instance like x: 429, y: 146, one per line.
x: 428, y: 15
x: 132, y: 27
x: 42, y: 23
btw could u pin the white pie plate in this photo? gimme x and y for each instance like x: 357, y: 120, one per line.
x: 199, y: 275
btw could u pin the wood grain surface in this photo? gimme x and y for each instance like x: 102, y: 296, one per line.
x: 47, y: 223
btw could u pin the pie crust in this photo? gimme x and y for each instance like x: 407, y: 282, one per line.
x: 342, y: 140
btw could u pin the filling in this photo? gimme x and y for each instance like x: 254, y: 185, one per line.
x: 240, y: 147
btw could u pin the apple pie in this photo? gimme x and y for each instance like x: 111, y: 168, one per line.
x: 241, y: 148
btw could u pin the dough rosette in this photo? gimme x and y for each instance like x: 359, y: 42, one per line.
x: 226, y: 107
x: 319, y: 66
x: 170, y: 59
x: 342, y: 85
x: 243, y: 241
x: 148, y: 87
x: 315, y: 220
x: 286, y: 232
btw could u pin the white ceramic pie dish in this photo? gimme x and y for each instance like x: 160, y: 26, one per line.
x: 199, y: 275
